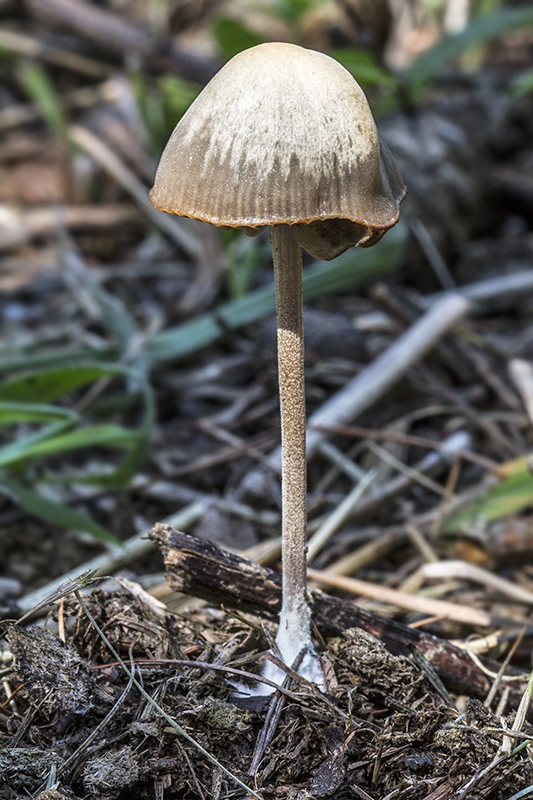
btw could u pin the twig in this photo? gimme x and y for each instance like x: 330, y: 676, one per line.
x: 172, y: 226
x: 379, y: 546
x: 421, y: 543
x: 20, y: 227
x: 181, y: 731
x: 379, y: 376
x: 430, y: 465
x: 341, y: 462
x: 445, y: 504
x: 405, y: 469
x: 117, y: 35
x: 25, y: 723
x: 432, y: 676
x: 456, y: 444
x: 507, y: 660
x: 479, y: 776
x: 116, y: 558
x: 237, y: 448
x: 387, y: 369
x: 273, y: 714
x: 66, y: 588
x: 485, y: 669
x: 471, y: 572
x: 383, y: 594
x: 212, y: 667
x: 482, y: 367
x: 522, y: 375
x: 34, y: 48
x: 436, y: 261
x: 494, y: 291
x: 200, y: 569
x: 339, y: 516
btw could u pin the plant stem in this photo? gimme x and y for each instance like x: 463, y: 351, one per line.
x: 287, y: 257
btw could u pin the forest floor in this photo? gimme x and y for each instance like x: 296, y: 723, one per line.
x: 139, y: 386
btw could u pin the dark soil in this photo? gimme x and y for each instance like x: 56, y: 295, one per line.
x: 379, y: 730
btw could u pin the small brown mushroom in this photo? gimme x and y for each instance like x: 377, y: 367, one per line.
x: 284, y: 137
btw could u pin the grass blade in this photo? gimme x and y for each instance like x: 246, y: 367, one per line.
x: 50, y: 384
x: 354, y: 267
x: 53, y: 512
x: 512, y: 495
x: 34, y: 412
x: 53, y: 360
x: 479, y: 31
x: 105, y: 435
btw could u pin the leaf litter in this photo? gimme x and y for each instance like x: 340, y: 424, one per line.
x: 380, y: 728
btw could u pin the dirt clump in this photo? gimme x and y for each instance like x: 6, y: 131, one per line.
x: 380, y: 730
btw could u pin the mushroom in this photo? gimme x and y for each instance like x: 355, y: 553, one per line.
x: 284, y: 137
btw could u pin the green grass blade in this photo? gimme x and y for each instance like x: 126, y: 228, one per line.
x: 107, y: 308
x: 232, y: 36
x: 106, y: 435
x: 41, y: 90
x: 364, y: 66
x: 53, y: 512
x: 55, y: 438
x: 479, y: 31
x: 22, y: 449
x: 10, y: 364
x: 323, y: 278
x: 15, y: 413
x: 34, y: 412
x: 123, y: 474
x: 177, y: 95
x: 522, y: 84
x: 512, y: 495
x: 50, y: 384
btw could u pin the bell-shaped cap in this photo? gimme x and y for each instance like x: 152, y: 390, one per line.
x: 282, y: 135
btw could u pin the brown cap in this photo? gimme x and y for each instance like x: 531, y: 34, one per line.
x: 282, y: 135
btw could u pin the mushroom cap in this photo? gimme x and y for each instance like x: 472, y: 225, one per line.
x: 282, y: 135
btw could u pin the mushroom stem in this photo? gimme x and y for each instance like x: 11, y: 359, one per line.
x: 288, y: 278
x: 294, y: 633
